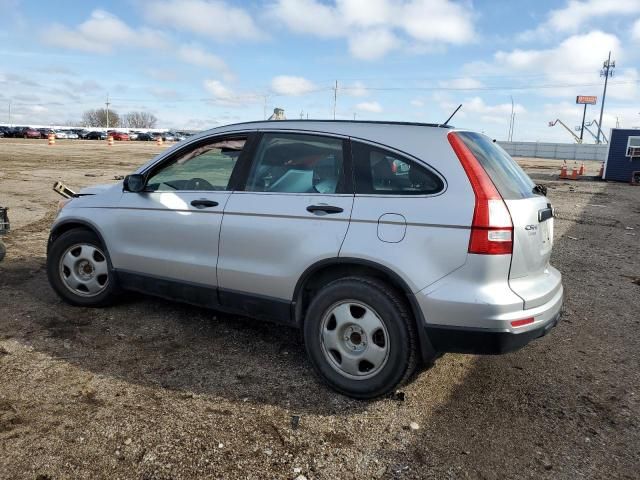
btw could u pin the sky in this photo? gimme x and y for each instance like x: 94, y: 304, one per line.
x: 199, y: 64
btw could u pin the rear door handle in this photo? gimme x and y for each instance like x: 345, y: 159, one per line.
x: 202, y: 203
x: 324, y: 208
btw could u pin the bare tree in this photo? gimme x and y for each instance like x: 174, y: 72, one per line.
x: 140, y: 119
x: 98, y: 118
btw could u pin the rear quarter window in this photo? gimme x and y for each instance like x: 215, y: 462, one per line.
x: 380, y: 172
x: 510, y: 180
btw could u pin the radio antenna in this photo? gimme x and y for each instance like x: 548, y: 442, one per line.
x: 449, y: 119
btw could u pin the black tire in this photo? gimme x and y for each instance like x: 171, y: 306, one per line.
x: 3, y: 251
x: 58, y: 249
x: 402, y: 357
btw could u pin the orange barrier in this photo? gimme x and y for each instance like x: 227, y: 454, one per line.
x: 581, y: 171
x: 574, y: 172
x: 51, y: 139
x: 601, y: 174
x: 159, y: 140
x: 110, y: 141
x: 563, y: 170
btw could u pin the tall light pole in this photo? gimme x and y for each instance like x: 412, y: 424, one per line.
x: 606, y: 72
x: 10, y: 114
x: 107, y: 104
x: 510, y: 134
x: 335, y: 99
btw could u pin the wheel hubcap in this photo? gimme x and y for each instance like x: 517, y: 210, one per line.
x: 84, y: 270
x: 354, y: 339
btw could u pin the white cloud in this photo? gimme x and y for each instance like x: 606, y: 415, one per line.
x: 213, y: 18
x: 355, y: 89
x: 100, y: 34
x: 218, y: 90
x: 194, y: 55
x: 371, y: 107
x: 373, y: 28
x: 577, y: 13
x: 372, y: 44
x: 478, y: 105
x: 290, y: 85
x: 575, y: 59
x: 635, y: 30
x: 309, y: 17
x: 416, y: 102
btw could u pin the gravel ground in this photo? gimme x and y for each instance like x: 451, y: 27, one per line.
x: 150, y: 389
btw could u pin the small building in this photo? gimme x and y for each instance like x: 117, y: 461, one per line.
x: 623, y: 159
x: 278, y: 114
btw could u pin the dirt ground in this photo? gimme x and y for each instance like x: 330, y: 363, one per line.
x: 150, y: 389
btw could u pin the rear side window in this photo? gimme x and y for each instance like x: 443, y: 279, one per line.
x: 380, y: 172
x: 297, y: 163
x: 506, y: 174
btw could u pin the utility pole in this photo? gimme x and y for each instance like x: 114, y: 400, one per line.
x: 584, y: 114
x: 10, y: 114
x: 510, y: 135
x: 107, y: 104
x: 335, y: 99
x: 606, y: 72
x: 264, y: 109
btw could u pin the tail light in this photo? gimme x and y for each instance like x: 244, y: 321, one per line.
x: 491, y: 228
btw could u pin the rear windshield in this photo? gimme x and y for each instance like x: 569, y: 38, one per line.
x: 506, y: 174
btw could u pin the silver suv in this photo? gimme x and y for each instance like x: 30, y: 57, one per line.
x: 386, y: 243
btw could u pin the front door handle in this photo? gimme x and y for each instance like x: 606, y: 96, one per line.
x: 324, y: 208
x: 202, y: 203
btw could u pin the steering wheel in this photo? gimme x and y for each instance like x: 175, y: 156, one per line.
x: 198, y: 184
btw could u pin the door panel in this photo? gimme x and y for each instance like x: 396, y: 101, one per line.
x: 162, y: 234
x: 269, y: 240
x: 293, y: 213
x: 171, y: 230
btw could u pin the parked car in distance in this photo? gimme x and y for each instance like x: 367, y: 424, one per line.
x: 71, y: 134
x: 169, y: 137
x: 119, y: 136
x: 145, y: 137
x: 386, y: 243
x: 133, y: 135
x: 30, y: 133
x: 95, y: 135
x: 60, y: 134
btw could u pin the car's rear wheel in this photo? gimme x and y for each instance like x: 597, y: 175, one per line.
x: 79, y: 269
x: 360, y: 337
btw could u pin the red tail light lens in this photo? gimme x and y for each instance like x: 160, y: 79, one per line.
x: 491, y: 228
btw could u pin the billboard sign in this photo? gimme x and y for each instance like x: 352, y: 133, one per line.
x: 586, y: 99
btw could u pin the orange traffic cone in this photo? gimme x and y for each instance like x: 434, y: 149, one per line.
x: 563, y: 170
x: 159, y: 140
x: 581, y: 171
x: 110, y: 141
x: 601, y: 174
x: 574, y: 171
x: 51, y: 139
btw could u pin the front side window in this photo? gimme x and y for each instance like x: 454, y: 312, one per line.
x: 205, y: 168
x: 380, y: 172
x: 297, y: 163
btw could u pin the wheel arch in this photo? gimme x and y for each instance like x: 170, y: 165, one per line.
x: 325, y: 271
x: 70, y: 224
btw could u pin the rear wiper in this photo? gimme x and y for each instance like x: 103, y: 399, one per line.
x: 540, y: 189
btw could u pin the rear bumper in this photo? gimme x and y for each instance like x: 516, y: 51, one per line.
x: 479, y: 341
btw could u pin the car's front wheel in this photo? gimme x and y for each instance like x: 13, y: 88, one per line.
x: 360, y: 337
x: 79, y: 269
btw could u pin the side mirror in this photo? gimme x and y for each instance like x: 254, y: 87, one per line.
x: 134, y: 183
